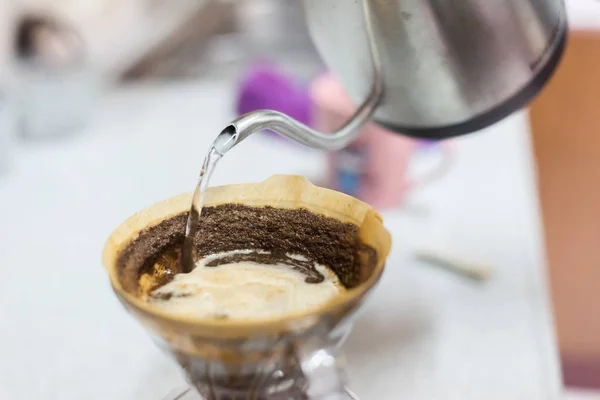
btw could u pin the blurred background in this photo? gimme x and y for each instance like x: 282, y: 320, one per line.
x: 154, y: 39
x: 87, y: 84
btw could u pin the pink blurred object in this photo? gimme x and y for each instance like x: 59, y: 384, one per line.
x: 374, y: 167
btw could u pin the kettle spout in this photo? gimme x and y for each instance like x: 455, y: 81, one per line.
x: 280, y: 123
x: 283, y: 124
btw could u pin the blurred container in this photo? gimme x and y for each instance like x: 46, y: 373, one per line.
x: 265, y: 30
x: 57, y: 87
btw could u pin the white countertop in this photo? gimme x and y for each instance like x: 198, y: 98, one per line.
x: 426, y: 334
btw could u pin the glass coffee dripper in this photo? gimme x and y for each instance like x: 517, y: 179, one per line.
x: 294, y: 356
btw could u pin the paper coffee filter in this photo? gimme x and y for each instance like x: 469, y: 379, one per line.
x: 280, y: 191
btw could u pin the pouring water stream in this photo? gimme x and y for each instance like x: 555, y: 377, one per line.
x: 255, y: 121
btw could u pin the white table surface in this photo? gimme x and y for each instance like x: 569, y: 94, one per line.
x: 426, y: 334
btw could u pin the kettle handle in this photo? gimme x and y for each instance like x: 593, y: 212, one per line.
x: 275, y: 121
x: 447, y: 159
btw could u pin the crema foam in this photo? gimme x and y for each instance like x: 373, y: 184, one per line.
x: 244, y: 291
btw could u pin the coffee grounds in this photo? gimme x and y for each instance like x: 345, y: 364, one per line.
x: 156, y: 252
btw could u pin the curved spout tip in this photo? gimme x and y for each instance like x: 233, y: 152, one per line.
x: 226, y: 139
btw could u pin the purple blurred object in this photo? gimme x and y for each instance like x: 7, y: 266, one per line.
x: 267, y: 87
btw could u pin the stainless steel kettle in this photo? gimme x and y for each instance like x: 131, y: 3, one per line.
x: 448, y: 66
x: 427, y: 68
